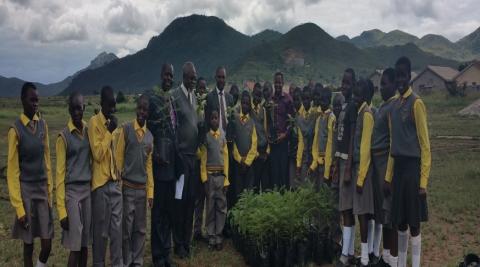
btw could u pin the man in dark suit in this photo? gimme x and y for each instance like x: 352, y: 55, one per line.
x: 186, y: 134
x: 218, y: 99
x: 161, y: 122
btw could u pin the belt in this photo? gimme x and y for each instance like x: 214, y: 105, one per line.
x: 133, y: 185
x: 217, y: 173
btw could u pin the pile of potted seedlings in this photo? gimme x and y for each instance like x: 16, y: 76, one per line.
x: 283, y: 227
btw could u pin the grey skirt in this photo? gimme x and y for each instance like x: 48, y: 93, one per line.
x: 379, y: 162
x: 79, y: 212
x: 345, y: 190
x: 38, y: 213
x: 363, y: 203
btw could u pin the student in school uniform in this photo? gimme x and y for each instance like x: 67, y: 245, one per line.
x: 343, y: 157
x: 106, y: 188
x: 214, y: 175
x: 293, y: 137
x: 29, y: 178
x: 133, y: 155
x: 409, y: 167
x: 380, y: 152
x: 363, y: 205
x: 244, y: 146
x: 73, y: 177
x: 305, y: 123
x: 260, y: 164
x: 322, y: 148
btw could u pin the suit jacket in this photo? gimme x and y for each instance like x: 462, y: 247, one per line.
x: 186, y: 122
x: 213, y: 103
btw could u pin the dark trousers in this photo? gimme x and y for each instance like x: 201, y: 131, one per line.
x: 162, y: 219
x: 199, y: 207
x: 279, y: 164
x: 261, y: 170
x: 184, y: 208
x: 244, y: 179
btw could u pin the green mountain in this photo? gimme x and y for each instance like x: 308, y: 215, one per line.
x: 207, y: 41
x: 343, y: 38
x: 471, y: 42
x: 266, y: 36
x: 305, y: 52
x: 464, y: 50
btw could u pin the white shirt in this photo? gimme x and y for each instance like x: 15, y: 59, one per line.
x: 221, y: 98
x: 187, y: 93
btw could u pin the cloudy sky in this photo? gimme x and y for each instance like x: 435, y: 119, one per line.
x: 47, y: 40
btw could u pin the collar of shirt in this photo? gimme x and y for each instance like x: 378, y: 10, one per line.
x: 184, y: 89
x: 323, y: 113
x: 138, y: 128
x: 216, y: 133
x: 103, y: 120
x: 25, y: 120
x: 390, y: 99
x: 244, y: 117
x: 364, y: 105
x: 407, y: 93
x: 72, y: 127
x: 220, y: 91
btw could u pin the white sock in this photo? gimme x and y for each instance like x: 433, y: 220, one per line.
x: 351, y: 250
x: 393, y: 261
x: 402, y: 248
x: 346, y: 239
x: 40, y: 264
x: 386, y: 255
x: 364, y: 258
x: 377, y: 239
x: 370, y: 236
x: 416, y: 250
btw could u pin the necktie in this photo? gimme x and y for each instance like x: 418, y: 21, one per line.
x: 32, y: 126
x: 173, y: 117
x: 190, y: 98
x: 222, y: 111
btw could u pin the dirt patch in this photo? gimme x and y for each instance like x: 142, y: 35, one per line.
x: 471, y: 110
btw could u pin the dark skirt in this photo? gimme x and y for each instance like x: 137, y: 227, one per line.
x: 408, y: 206
x: 363, y: 203
x: 379, y: 163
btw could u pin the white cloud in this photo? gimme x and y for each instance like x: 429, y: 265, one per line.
x: 39, y: 30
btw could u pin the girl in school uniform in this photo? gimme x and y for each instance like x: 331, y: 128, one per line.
x: 29, y: 178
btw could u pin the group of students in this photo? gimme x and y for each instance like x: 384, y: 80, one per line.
x: 375, y: 160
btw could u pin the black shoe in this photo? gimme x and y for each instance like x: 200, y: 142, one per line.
x: 181, y: 252
x: 353, y: 261
x: 219, y: 246
x: 211, y: 247
x: 198, y: 237
x: 372, y: 259
x: 382, y: 263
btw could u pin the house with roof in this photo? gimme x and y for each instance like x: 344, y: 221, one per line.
x: 434, y: 78
x: 469, y: 77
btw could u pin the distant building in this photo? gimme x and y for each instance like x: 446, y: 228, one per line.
x: 433, y: 78
x: 470, y: 76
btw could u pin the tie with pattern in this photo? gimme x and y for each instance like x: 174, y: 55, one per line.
x: 222, y: 111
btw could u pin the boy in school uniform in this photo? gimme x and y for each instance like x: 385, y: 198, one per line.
x: 133, y: 157
x: 106, y: 191
x: 322, y: 148
x: 380, y: 152
x: 409, y: 165
x: 214, y: 175
x: 363, y: 206
x: 260, y: 164
x: 73, y: 177
x: 305, y: 123
x: 29, y: 178
x: 244, y: 145
x: 343, y: 165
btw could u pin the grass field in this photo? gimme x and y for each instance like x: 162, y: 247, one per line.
x: 454, y: 186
